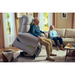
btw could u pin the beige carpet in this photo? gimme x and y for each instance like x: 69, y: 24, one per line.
x: 42, y: 57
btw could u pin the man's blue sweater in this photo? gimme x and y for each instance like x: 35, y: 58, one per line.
x: 34, y: 30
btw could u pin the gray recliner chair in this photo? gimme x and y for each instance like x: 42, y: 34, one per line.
x: 26, y: 41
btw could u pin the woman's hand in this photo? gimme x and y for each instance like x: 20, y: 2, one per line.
x: 57, y: 36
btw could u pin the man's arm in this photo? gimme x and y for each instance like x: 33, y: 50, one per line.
x: 41, y: 31
x: 40, y: 38
x: 33, y: 31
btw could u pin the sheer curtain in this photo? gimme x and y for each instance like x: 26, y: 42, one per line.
x: 11, y: 37
x: 40, y: 16
x: 50, y: 19
x: 13, y: 31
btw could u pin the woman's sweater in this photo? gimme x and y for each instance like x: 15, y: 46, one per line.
x: 53, y: 33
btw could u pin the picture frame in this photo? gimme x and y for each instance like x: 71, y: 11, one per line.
x: 64, y: 15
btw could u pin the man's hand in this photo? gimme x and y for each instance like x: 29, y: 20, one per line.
x: 40, y: 38
x: 57, y: 36
x: 45, y: 34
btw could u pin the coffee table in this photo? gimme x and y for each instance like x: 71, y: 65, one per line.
x: 68, y: 48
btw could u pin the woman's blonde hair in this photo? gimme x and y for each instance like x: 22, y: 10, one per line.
x: 51, y: 26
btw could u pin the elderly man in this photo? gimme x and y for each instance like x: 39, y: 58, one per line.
x: 34, y: 30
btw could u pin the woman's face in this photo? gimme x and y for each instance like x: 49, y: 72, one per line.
x: 52, y: 28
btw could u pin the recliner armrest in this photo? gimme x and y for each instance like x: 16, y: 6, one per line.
x: 28, y: 39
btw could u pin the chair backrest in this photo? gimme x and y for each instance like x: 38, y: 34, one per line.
x: 25, y: 23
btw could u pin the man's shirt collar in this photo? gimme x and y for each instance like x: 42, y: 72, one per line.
x: 35, y: 24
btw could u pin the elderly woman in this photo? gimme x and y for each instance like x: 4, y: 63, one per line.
x: 54, y: 36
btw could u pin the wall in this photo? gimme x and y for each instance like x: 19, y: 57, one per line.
x: 63, y: 23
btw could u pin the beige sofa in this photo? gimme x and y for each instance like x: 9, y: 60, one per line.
x: 68, y: 35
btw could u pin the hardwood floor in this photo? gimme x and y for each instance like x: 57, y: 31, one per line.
x: 14, y: 49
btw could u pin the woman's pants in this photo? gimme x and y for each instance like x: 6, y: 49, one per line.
x: 58, y: 38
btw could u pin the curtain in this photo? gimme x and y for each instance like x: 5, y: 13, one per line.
x: 54, y: 19
x: 50, y: 19
x: 73, y: 21
x: 1, y: 32
x: 9, y: 38
x: 40, y: 16
x: 13, y: 30
x: 16, y: 23
x: 35, y: 15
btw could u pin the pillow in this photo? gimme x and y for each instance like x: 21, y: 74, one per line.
x: 70, y: 33
x: 60, y: 32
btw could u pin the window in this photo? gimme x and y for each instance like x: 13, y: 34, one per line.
x: 8, y: 25
x: 45, y: 22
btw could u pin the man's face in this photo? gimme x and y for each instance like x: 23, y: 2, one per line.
x: 37, y: 22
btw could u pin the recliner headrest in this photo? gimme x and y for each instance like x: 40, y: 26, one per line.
x: 27, y: 19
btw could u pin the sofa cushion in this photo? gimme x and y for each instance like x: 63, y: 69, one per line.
x: 70, y: 33
x: 68, y: 40
x: 60, y: 32
x: 65, y: 41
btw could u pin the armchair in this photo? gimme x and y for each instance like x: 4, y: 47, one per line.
x: 26, y: 41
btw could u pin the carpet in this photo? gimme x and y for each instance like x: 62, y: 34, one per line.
x: 42, y: 57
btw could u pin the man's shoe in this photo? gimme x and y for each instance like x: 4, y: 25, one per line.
x: 53, y: 55
x: 50, y: 59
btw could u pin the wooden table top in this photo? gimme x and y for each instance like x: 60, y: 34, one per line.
x: 69, y: 47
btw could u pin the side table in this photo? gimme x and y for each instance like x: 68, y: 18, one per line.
x: 69, y: 48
